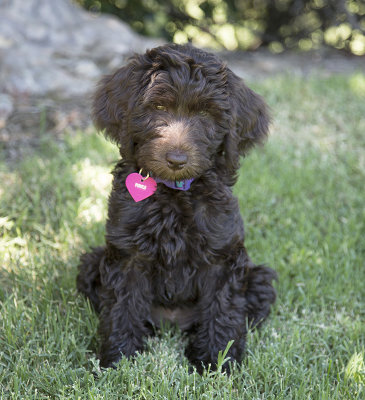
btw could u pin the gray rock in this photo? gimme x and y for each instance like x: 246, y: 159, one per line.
x: 49, y: 46
x: 52, y: 52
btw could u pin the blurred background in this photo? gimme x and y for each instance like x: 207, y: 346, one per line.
x: 245, y: 24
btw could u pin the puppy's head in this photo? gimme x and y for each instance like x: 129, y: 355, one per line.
x: 177, y: 111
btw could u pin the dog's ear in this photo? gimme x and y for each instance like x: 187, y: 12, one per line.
x: 249, y: 120
x: 115, y: 96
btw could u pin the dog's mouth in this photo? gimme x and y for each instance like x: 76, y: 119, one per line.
x: 163, y: 171
x: 164, y: 175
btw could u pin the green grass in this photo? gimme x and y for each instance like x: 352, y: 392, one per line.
x: 302, y: 198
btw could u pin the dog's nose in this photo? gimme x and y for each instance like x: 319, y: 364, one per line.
x: 176, y: 159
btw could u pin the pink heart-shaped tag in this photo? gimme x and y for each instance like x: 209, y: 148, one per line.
x: 140, y: 188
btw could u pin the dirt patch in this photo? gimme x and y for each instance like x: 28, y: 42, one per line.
x: 32, y: 118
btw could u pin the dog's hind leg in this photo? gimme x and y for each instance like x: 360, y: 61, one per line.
x: 88, y: 278
x: 245, y: 297
x: 260, y: 294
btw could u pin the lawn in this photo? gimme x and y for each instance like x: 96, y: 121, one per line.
x: 302, y: 199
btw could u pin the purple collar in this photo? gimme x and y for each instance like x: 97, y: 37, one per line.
x: 178, y: 185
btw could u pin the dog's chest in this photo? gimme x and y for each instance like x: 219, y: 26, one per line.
x: 172, y: 234
x: 175, y: 242
x: 179, y: 234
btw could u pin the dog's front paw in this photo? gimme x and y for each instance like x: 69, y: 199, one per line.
x: 213, y: 359
x: 109, y: 360
x: 200, y: 358
x: 111, y: 353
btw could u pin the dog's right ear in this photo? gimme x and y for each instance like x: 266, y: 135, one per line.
x: 115, y: 96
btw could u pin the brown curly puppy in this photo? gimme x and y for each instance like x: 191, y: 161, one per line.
x: 180, y: 115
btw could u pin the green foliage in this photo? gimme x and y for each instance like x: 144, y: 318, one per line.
x: 246, y: 24
x: 305, y: 217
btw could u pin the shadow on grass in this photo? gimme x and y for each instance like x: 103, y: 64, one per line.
x: 52, y: 209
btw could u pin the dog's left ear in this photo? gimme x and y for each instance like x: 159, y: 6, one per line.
x: 249, y: 123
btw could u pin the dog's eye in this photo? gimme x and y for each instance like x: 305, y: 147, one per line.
x: 160, y: 107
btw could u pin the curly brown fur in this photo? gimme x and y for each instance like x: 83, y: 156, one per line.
x: 178, y: 113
